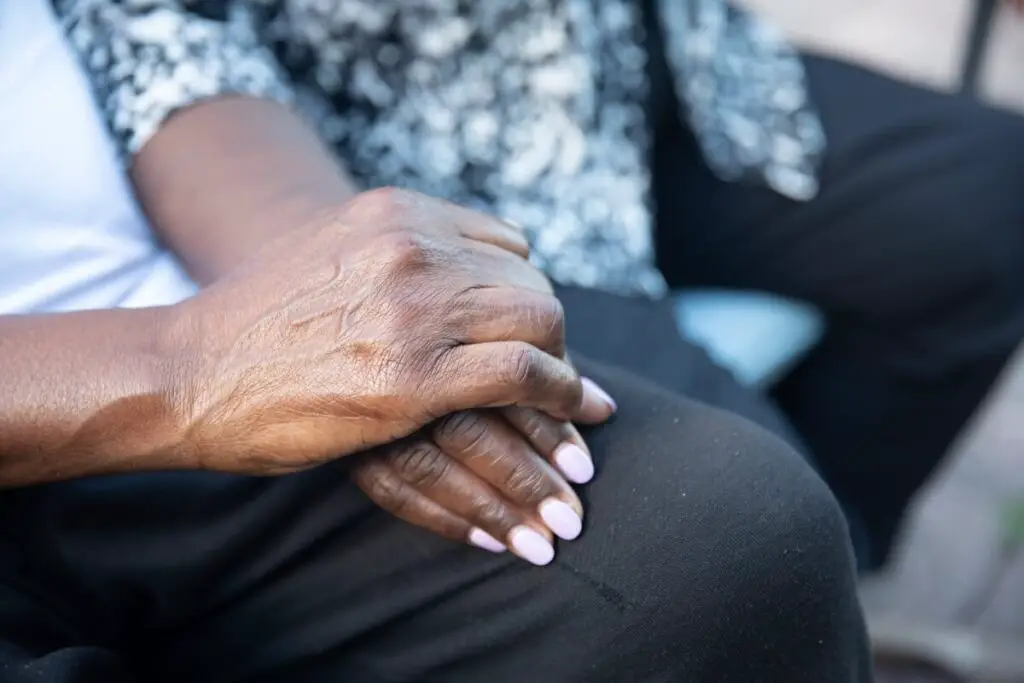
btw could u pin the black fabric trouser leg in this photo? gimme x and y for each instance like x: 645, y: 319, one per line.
x: 915, y: 251
x: 712, y: 553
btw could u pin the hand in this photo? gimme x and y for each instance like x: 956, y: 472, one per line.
x: 361, y: 328
x: 480, y: 476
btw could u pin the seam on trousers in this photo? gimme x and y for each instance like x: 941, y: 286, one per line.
x: 606, y: 592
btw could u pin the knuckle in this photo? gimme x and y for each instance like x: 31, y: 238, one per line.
x: 422, y: 465
x: 523, y: 365
x: 381, y: 200
x: 535, y: 425
x: 388, y: 492
x: 402, y: 250
x: 490, y: 513
x: 382, y: 208
x: 526, y: 482
x: 464, y: 431
x: 550, y: 315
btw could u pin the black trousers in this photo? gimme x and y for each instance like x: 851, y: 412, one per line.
x: 712, y: 553
x: 914, y: 250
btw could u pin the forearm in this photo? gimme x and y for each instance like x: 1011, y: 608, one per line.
x: 201, y: 116
x: 88, y: 393
x: 224, y: 176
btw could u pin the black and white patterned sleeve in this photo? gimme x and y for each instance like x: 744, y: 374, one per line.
x: 148, y: 58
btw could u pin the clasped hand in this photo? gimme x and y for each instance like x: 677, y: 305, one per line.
x: 415, y: 333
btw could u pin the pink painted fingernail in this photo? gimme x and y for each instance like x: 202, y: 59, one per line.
x: 561, y: 519
x: 482, y: 539
x: 531, y: 546
x: 590, y: 385
x: 575, y: 464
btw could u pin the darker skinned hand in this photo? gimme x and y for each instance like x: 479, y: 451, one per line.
x: 483, y: 475
x: 363, y: 327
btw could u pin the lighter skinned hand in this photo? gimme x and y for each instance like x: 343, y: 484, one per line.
x: 363, y: 327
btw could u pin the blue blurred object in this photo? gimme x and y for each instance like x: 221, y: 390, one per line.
x: 985, y: 12
x: 755, y: 335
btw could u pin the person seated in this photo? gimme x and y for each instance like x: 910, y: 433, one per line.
x: 643, y: 145
x: 192, y: 404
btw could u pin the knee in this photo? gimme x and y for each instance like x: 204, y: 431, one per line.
x: 777, y: 561
x: 745, y: 563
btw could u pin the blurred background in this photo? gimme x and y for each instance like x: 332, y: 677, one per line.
x: 920, y: 40
x: 955, y: 595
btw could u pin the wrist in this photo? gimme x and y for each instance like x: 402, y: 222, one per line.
x: 91, y: 393
x: 174, y: 375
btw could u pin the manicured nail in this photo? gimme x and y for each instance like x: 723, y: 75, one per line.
x: 482, y: 539
x: 561, y: 519
x: 531, y: 546
x: 574, y: 463
x: 591, y: 386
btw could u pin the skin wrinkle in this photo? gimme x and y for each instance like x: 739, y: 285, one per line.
x: 464, y: 431
x: 422, y: 465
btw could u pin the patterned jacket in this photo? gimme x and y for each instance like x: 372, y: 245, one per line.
x: 529, y: 109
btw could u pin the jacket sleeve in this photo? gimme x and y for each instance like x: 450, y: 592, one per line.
x: 146, y: 59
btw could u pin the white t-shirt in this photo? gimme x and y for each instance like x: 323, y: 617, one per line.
x: 71, y: 234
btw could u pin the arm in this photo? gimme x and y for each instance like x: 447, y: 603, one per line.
x: 333, y: 339
x: 87, y: 393
x: 220, y: 161
x: 96, y: 392
x: 263, y: 172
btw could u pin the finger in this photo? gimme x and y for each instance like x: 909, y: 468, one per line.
x: 558, y: 442
x: 480, y: 227
x: 385, y: 488
x: 489, y: 265
x: 490, y: 230
x: 597, y: 405
x: 505, y: 314
x: 491, y: 448
x: 424, y: 467
x: 393, y: 208
x: 499, y: 374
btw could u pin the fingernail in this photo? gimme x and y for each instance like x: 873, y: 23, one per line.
x: 561, y: 519
x: 591, y: 385
x: 482, y: 539
x: 531, y: 546
x: 574, y: 463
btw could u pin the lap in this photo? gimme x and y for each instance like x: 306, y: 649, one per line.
x: 711, y: 553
